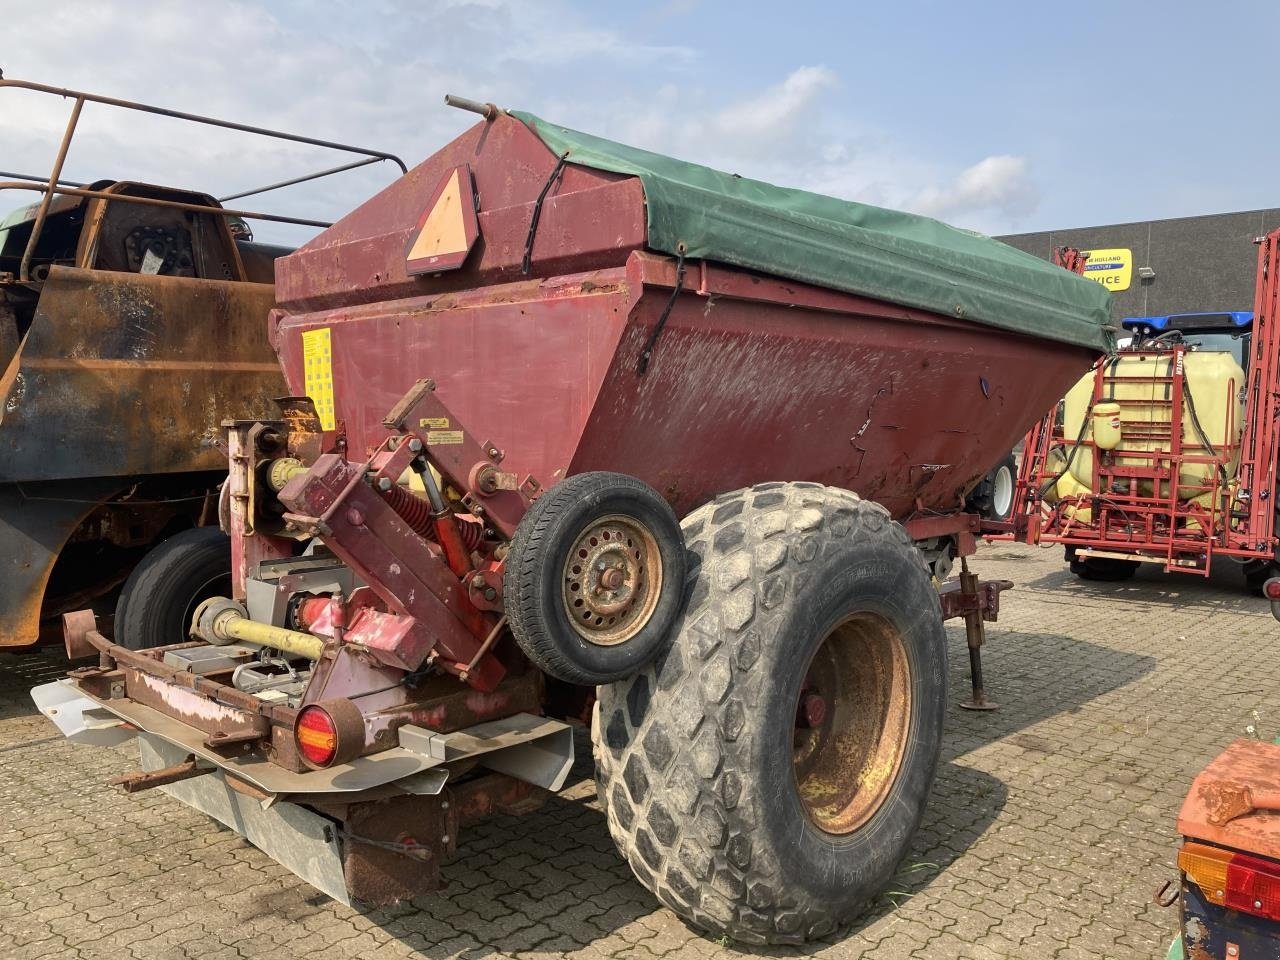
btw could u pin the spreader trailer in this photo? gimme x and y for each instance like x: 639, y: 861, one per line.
x: 512, y: 371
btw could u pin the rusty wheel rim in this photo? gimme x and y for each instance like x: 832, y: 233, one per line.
x: 852, y: 723
x: 612, y: 579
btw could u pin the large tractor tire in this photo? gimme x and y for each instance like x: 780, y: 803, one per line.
x: 164, y: 589
x: 764, y: 776
x: 594, y: 578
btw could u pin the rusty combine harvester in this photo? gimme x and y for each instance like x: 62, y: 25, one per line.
x: 131, y: 324
x: 512, y: 370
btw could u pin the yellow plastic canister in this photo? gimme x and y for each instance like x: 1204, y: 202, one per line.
x: 1106, y: 425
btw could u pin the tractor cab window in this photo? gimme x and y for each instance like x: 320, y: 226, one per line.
x: 1227, y: 332
x: 1219, y: 341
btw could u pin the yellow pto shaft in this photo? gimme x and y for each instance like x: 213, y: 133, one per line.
x: 221, y: 621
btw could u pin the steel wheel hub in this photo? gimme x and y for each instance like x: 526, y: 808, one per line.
x: 852, y: 724
x: 612, y: 579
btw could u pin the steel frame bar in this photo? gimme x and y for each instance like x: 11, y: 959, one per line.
x: 80, y: 98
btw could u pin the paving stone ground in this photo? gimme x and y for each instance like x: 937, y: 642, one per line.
x: 1051, y: 822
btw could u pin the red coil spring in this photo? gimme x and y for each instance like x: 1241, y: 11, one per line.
x: 416, y: 511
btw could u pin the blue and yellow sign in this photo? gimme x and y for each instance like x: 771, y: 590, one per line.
x: 1111, y: 268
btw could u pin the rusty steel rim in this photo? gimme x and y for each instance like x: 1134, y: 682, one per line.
x: 852, y: 723
x: 612, y: 579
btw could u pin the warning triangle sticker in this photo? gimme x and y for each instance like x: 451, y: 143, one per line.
x: 448, y: 228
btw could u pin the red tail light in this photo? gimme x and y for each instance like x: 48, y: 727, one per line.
x: 317, y: 736
x: 328, y: 733
x: 1253, y: 886
x: 1271, y: 589
x: 1236, y: 881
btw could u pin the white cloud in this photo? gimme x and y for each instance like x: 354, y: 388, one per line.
x: 999, y: 183
x: 374, y: 73
x: 777, y: 109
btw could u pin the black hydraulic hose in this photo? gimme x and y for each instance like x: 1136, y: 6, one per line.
x: 1195, y: 422
x: 1084, y: 426
x: 527, y: 262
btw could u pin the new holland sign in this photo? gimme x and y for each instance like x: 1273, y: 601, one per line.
x: 1111, y: 268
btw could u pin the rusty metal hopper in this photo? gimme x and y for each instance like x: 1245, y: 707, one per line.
x: 589, y: 362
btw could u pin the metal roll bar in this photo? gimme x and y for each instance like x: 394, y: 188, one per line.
x: 55, y: 185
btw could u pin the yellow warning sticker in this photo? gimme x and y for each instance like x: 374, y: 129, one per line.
x: 436, y: 438
x: 317, y: 369
x: 434, y: 423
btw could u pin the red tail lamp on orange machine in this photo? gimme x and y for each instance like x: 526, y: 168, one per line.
x: 328, y: 733
x: 1236, y: 881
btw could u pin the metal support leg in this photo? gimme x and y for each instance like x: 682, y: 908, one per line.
x: 975, y: 635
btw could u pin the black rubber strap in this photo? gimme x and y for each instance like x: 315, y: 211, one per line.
x: 645, y: 354
x: 527, y: 262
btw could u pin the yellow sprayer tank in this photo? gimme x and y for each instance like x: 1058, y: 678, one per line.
x: 1135, y: 403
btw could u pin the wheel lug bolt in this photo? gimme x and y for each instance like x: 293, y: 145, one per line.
x: 813, y: 710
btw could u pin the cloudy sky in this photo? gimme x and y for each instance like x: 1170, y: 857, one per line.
x: 997, y: 116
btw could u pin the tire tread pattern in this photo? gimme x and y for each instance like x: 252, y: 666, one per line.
x: 521, y: 580
x: 681, y: 815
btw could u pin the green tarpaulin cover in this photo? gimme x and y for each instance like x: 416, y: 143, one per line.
x: 898, y: 257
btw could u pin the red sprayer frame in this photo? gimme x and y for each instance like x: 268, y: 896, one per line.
x: 1170, y: 529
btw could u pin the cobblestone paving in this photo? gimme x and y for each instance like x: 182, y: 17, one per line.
x: 1052, y: 820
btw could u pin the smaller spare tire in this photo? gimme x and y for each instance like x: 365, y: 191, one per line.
x: 164, y: 589
x: 594, y: 578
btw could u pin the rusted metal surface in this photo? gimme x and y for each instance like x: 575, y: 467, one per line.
x: 235, y: 721
x: 853, y: 724
x: 754, y: 377
x: 1226, y: 801
x: 1246, y: 774
x: 393, y: 848
x: 79, y: 98
x: 248, y: 444
x: 366, y: 533
x: 444, y: 706
x: 124, y: 366
x: 147, y: 779
x: 743, y: 365
x: 984, y: 599
x: 183, y: 206
x: 976, y: 601
x: 224, y: 723
x: 149, y: 664
x: 75, y: 633
x: 612, y: 579
x: 1212, y: 932
x: 36, y: 521
x: 112, y: 382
